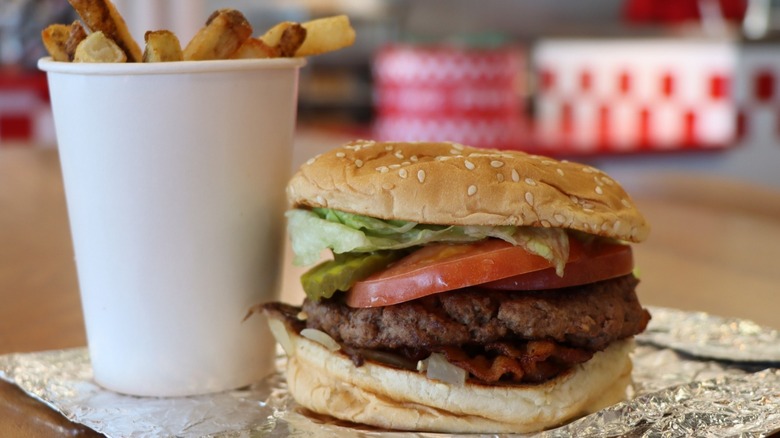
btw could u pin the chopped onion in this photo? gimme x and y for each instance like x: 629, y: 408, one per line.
x: 321, y: 337
x: 437, y: 367
x: 280, y: 334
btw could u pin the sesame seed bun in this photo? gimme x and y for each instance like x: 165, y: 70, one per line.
x: 329, y: 383
x: 448, y: 183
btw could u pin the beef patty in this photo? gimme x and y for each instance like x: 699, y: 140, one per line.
x: 496, y: 336
x: 586, y: 317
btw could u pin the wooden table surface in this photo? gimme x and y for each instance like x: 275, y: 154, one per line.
x: 714, y: 246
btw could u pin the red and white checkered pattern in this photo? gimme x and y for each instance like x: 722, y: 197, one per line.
x: 449, y: 93
x: 25, y: 114
x: 757, y: 94
x: 635, y: 95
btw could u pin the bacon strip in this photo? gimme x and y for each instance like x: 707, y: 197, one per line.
x: 535, y: 361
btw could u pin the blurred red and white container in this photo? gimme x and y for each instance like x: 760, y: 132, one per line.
x: 757, y: 94
x: 442, y: 92
x: 624, y: 95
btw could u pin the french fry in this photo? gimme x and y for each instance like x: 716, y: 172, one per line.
x: 162, y: 46
x: 55, y: 40
x: 322, y: 35
x: 326, y: 35
x: 76, y: 36
x: 101, y: 15
x: 225, y: 31
x: 254, y: 48
x: 272, y: 36
x: 291, y: 40
x: 97, y: 47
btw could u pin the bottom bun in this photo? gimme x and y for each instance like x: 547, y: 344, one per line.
x: 329, y: 383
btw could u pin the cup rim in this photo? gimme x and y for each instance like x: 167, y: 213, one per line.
x: 47, y: 64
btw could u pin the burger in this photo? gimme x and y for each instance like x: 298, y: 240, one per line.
x: 469, y: 290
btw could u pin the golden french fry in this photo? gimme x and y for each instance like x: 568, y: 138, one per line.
x: 162, y: 46
x: 101, y: 15
x: 272, y: 36
x: 55, y: 40
x: 322, y: 35
x: 97, y: 47
x: 225, y: 31
x: 254, y: 48
x: 291, y: 40
x: 326, y: 35
x: 76, y: 36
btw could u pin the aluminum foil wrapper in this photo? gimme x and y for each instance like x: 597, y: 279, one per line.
x: 694, y: 374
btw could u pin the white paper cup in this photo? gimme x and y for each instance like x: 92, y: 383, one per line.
x: 174, y: 178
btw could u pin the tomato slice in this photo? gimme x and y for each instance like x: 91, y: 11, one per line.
x: 601, y: 261
x: 492, y: 263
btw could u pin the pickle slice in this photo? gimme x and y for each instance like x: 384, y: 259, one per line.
x: 339, y: 274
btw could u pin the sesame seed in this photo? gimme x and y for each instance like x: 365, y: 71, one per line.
x: 395, y: 166
x: 548, y: 162
x: 574, y: 199
x: 311, y: 160
x: 399, y: 155
x: 587, y: 170
x: 588, y: 210
x: 454, y: 152
x: 625, y: 203
x: 546, y: 224
x: 586, y: 205
x: 616, y: 226
x: 515, y: 176
x: 529, y: 198
x: 500, y: 177
x: 496, y: 163
x: 472, y: 190
x: 388, y: 186
x: 341, y: 154
x: 598, y: 181
x: 358, y: 163
x: 530, y: 182
x: 605, y: 226
x: 382, y: 169
x: 405, y: 163
x: 421, y: 176
x: 469, y: 165
x: 457, y: 146
x: 599, y: 191
x: 403, y: 173
x: 560, y: 218
x: 320, y: 200
x: 389, y: 147
x: 560, y: 171
x: 413, y: 158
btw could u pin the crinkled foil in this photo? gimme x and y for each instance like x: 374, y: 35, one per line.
x: 694, y: 374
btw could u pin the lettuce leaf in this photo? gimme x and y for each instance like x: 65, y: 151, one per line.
x: 320, y: 229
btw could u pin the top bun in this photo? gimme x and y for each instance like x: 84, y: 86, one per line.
x: 449, y: 183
